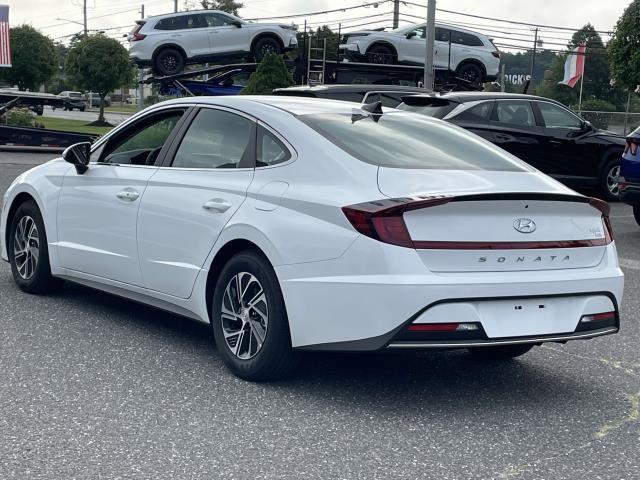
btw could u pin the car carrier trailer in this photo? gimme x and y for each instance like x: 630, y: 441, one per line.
x: 13, y: 137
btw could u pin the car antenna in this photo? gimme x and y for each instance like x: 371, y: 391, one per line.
x: 373, y: 109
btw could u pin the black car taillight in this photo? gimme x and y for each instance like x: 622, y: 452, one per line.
x: 383, y: 220
x: 605, y: 210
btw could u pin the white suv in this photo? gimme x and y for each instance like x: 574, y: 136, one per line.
x: 469, y: 54
x: 169, y: 42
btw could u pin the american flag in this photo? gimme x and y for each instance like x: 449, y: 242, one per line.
x: 5, y: 51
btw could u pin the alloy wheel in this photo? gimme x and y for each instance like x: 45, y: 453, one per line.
x: 169, y: 63
x: 267, y: 48
x: 612, y: 180
x: 245, y: 317
x: 26, y: 247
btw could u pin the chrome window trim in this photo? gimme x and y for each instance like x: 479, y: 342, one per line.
x: 562, y: 107
x: 462, y: 107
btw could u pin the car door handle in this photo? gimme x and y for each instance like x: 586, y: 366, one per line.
x: 555, y: 142
x: 499, y: 136
x: 216, y: 205
x: 129, y: 195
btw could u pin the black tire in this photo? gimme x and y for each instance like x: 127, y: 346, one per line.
x: 636, y: 213
x: 38, y: 278
x: 503, y: 352
x: 470, y: 72
x: 168, y: 61
x: 271, y: 359
x: 265, y: 46
x: 608, y: 188
x: 81, y: 109
x: 382, y: 54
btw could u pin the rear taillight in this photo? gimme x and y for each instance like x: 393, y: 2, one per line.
x: 136, y: 35
x: 632, y: 147
x: 383, y: 220
x: 496, y: 52
x: 605, y: 210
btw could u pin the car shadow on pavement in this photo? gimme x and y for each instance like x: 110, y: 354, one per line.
x: 410, y: 378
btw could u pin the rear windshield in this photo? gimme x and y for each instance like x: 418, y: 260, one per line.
x: 439, y: 111
x: 399, y: 140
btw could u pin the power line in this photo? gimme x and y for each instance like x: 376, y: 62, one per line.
x: 323, y: 12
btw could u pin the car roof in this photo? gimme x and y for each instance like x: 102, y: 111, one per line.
x: 353, y: 87
x: 188, y: 12
x: 291, y: 104
x: 462, y: 97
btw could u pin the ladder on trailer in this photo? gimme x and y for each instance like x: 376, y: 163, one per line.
x: 316, y: 62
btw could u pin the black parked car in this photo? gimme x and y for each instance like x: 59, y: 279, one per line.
x: 542, y: 132
x: 389, y: 95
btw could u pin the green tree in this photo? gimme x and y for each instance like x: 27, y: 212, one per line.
x: 229, y: 6
x: 596, y: 72
x: 33, y: 59
x: 624, y: 48
x: 99, y: 64
x: 317, y: 41
x: 271, y: 73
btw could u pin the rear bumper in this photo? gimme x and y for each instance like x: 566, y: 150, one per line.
x: 364, y: 300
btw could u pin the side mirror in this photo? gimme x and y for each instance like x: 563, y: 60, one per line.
x: 587, y: 126
x: 236, y: 23
x: 411, y: 35
x: 78, y: 155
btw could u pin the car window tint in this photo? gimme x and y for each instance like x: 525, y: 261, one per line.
x: 517, y: 113
x: 557, y: 117
x: 215, y: 139
x: 442, y: 34
x: 467, y: 39
x: 391, y: 100
x: 180, y: 22
x: 439, y: 111
x: 271, y: 150
x: 402, y: 140
x: 143, y: 143
x: 419, y: 32
x: 477, y: 113
x: 217, y: 20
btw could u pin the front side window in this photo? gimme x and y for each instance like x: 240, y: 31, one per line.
x: 142, y: 144
x: 400, y: 140
x: 271, y: 150
x: 217, y: 139
x: 218, y: 20
x: 419, y: 32
x: 557, y: 117
x: 516, y: 112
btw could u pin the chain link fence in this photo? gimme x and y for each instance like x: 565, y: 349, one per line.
x: 618, y: 122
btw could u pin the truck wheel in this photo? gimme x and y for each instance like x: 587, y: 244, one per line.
x: 168, y: 61
x: 636, y: 213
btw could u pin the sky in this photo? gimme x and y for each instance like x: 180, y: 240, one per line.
x: 56, y: 18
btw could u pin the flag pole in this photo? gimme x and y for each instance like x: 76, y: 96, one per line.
x: 580, y: 100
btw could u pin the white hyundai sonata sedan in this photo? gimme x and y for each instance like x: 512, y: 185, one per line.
x: 304, y: 224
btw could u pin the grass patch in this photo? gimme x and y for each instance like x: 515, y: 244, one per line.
x: 67, y: 125
x: 115, y: 107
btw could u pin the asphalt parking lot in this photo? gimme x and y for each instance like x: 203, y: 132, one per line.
x: 93, y: 386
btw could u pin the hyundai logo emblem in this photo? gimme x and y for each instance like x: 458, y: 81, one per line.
x: 524, y: 225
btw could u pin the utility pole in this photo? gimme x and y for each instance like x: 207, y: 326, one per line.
x: 533, y: 56
x: 142, y: 11
x: 396, y: 13
x: 431, y: 39
x: 175, y: 6
x: 84, y: 13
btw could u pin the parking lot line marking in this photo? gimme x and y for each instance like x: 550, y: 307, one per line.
x: 629, y: 263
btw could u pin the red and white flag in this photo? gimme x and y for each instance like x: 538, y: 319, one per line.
x: 574, y: 66
x: 5, y: 50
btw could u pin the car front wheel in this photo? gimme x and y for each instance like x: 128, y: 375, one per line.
x: 28, y: 252
x: 382, y: 54
x: 609, y: 180
x: 471, y: 73
x: 265, y: 46
x: 249, y: 319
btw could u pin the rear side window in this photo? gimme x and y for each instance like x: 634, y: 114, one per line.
x: 467, y: 39
x: 217, y: 139
x: 439, y: 111
x: 180, y: 22
x: 271, y: 151
x: 515, y: 112
x: 477, y: 113
x: 398, y: 140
